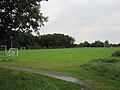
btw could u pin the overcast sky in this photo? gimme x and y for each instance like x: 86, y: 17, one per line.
x: 85, y: 20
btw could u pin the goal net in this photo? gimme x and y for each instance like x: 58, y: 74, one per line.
x: 13, y: 52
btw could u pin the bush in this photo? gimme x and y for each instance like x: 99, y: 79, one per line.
x: 106, y: 60
x: 109, y: 68
x: 116, y: 54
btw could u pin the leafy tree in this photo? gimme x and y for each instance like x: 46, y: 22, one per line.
x: 55, y: 40
x: 25, y: 39
x: 97, y: 44
x: 21, y: 15
x: 106, y: 43
x: 85, y: 44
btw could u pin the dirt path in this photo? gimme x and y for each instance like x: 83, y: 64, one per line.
x: 87, y: 84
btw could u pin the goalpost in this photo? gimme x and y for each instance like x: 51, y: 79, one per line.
x: 4, y: 47
x: 13, y: 52
x: 10, y: 52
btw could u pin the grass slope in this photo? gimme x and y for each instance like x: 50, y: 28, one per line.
x: 109, y: 68
x: 59, y: 60
x: 17, y: 80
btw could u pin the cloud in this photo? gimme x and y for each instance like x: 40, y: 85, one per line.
x: 83, y: 19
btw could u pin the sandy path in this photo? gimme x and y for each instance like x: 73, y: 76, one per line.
x: 87, y: 84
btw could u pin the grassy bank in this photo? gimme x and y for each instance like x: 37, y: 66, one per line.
x: 17, y: 80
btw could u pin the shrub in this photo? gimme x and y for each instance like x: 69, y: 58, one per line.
x: 109, y: 68
x: 116, y: 54
x: 106, y: 60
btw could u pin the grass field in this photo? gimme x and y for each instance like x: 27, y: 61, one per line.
x: 71, y: 62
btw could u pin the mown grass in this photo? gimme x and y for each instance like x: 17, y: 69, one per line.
x: 17, y: 80
x: 59, y: 60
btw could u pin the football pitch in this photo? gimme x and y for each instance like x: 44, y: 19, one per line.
x: 74, y: 62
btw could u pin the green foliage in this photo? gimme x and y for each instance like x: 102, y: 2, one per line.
x: 116, y: 54
x: 109, y: 68
x: 106, y: 60
x: 85, y: 44
x: 16, y: 80
x: 20, y: 15
x: 94, y: 44
x: 106, y: 43
x: 97, y: 44
x: 26, y: 39
x: 55, y: 40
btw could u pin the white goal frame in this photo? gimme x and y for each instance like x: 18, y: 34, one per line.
x: 13, y: 52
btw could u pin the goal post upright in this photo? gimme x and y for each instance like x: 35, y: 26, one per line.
x: 5, y: 49
x: 17, y: 51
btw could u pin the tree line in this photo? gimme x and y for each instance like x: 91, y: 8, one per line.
x: 98, y: 43
x: 26, y: 39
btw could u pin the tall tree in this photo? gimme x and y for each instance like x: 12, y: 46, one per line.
x: 22, y: 15
x: 97, y: 44
x: 86, y: 44
x: 106, y: 43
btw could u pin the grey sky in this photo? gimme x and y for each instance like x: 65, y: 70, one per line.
x: 88, y: 20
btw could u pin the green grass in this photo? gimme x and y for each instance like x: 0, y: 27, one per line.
x: 109, y: 68
x: 59, y: 60
x: 116, y: 54
x: 17, y: 80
